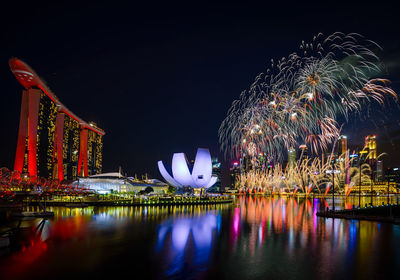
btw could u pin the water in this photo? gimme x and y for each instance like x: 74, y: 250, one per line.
x: 254, y: 238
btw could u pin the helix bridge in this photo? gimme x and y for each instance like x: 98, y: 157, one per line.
x: 16, y: 186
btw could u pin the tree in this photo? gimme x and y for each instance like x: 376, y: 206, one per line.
x: 171, y: 190
x: 148, y: 190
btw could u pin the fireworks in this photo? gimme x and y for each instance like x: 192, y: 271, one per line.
x: 310, y: 175
x: 299, y: 98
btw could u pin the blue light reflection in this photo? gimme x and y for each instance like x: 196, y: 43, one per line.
x: 186, y: 240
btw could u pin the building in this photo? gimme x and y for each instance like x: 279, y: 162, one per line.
x: 216, y: 171
x: 115, y: 182
x: 379, y: 171
x: 377, y: 187
x: 354, y: 159
x: 362, y: 156
x: 257, y: 162
x: 234, y: 174
x: 371, y: 159
x: 393, y: 175
x: 370, y: 146
x: 53, y: 142
x: 198, y: 176
x: 291, y: 158
x: 262, y: 161
x: 342, y: 145
x: 246, y: 163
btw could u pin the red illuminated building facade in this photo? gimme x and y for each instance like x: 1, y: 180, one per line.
x: 53, y: 142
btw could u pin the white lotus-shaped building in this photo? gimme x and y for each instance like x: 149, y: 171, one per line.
x: 183, y: 175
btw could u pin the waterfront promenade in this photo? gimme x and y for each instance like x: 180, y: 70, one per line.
x: 389, y: 213
x: 281, y: 238
x: 124, y: 201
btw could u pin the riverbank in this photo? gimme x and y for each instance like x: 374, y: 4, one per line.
x: 207, y: 237
x: 389, y: 213
x: 136, y: 202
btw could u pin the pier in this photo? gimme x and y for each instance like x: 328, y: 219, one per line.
x: 388, y: 213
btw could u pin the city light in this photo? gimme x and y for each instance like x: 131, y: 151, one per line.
x: 332, y: 171
x: 301, y: 177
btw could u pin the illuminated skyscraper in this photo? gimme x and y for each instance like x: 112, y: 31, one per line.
x: 370, y: 146
x: 246, y: 163
x: 379, y: 171
x: 291, y: 158
x: 342, y: 145
x: 234, y: 174
x: 216, y: 171
x: 53, y: 142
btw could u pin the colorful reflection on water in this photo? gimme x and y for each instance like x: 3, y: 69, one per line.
x: 283, y: 238
x: 174, y: 236
x: 255, y: 237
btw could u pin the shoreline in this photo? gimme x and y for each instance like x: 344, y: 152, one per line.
x: 384, y: 213
x: 82, y: 204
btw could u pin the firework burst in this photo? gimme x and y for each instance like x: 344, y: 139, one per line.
x: 299, y: 97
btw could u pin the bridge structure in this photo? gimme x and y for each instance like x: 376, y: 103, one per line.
x: 15, y: 186
x: 53, y: 142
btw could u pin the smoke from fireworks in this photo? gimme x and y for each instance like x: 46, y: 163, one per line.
x: 300, y: 97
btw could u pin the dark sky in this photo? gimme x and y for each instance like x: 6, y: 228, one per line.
x: 159, y: 78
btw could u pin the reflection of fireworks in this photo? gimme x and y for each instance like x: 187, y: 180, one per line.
x: 300, y: 97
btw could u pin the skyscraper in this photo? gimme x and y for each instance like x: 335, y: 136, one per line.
x: 291, y: 157
x: 342, y: 145
x: 53, y: 142
x: 379, y: 171
x: 370, y: 146
x: 216, y: 170
x: 234, y: 174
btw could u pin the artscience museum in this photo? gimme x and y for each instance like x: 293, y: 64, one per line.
x: 183, y: 174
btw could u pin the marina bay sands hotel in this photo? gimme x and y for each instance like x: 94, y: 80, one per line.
x: 53, y: 142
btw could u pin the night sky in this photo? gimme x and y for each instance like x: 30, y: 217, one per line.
x: 160, y: 78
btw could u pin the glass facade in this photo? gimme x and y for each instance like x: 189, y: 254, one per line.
x: 71, y: 147
x: 45, y: 136
x: 95, y: 148
x: 46, y: 153
x: 52, y: 143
